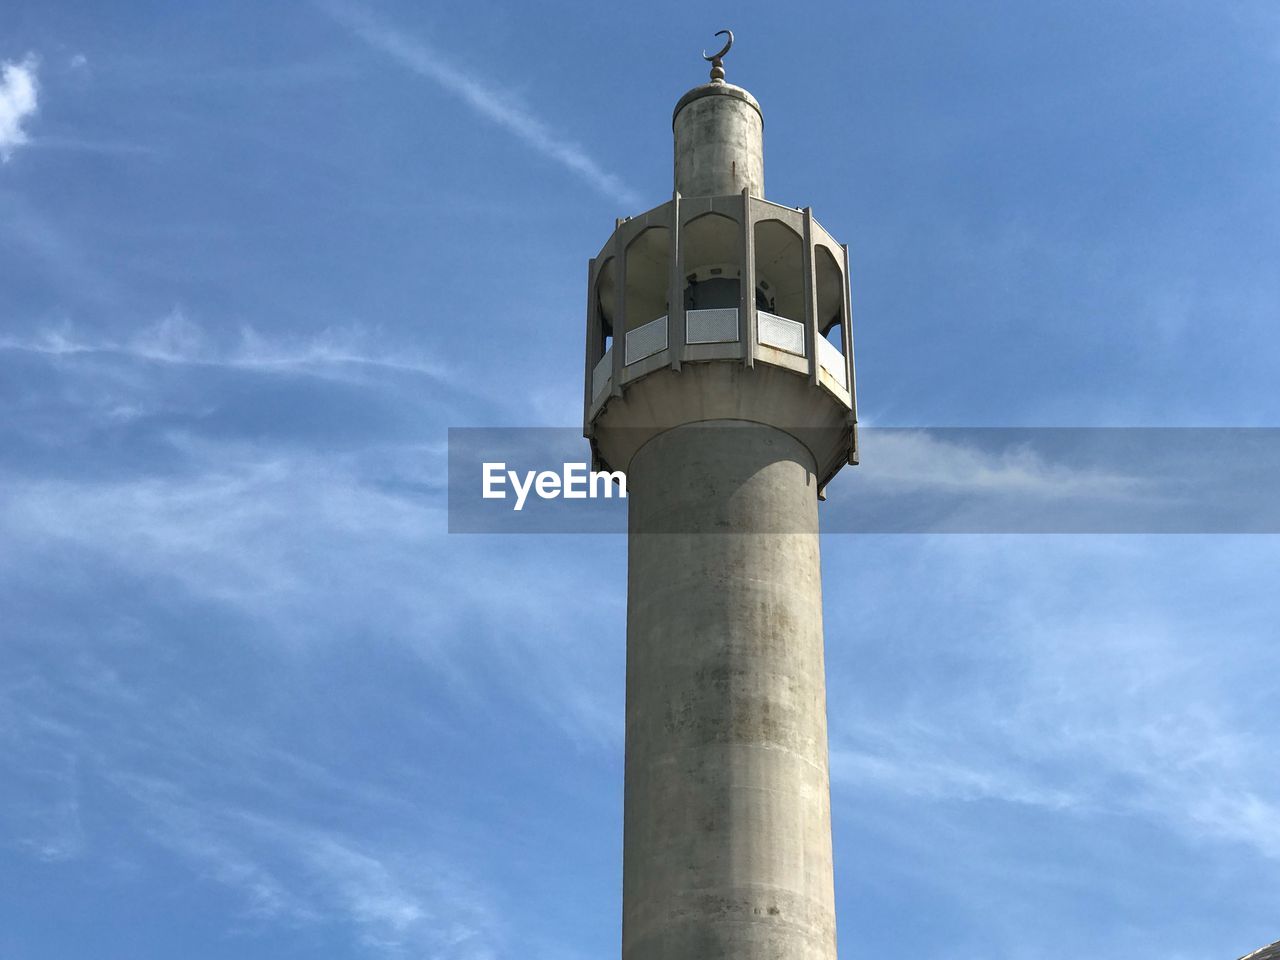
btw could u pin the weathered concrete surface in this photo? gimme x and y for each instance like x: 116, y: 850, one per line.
x: 764, y: 394
x: 719, y: 142
x: 727, y: 846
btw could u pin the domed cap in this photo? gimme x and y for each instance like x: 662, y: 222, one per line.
x: 717, y: 88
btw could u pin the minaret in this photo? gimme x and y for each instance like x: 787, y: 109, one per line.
x: 713, y: 382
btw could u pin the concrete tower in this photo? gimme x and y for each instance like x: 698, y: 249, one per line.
x: 719, y: 377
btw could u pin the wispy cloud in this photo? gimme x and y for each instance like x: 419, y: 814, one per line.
x: 289, y: 871
x: 487, y: 101
x: 19, y: 100
x: 242, y: 468
x: 910, y: 460
x: 252, y: 531
x: 50, y: 829
x: 914, y: 770
x: 1110, y: 707
x: 176, y: 339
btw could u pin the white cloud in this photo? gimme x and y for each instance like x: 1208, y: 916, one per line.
x: 19, y: 99
x: 921, y: 460
x: 1103, y: 692
x: 912, y: 769
x: 176, y: 339
x: 252, y: 524
x: 491, y: 103
x: 398, y: 903
x: 48, y: 825
x: 254, y: 530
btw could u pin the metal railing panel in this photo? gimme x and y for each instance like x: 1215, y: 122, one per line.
x: 718, y: 325
x: 646, y: 340
x: 601, y: 374
x: 775, y: 331
x: 832, y: 360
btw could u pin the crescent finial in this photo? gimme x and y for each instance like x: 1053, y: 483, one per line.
x: 717, y: 59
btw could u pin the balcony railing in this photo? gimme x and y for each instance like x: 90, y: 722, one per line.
x: 718, y: 325
x: 712, y: 326
x: 646, y: 340
x: 601, y: 373
x: 779, y: 332
x: 832, y: 361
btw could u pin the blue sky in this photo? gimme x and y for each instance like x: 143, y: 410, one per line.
x: 256, y: 259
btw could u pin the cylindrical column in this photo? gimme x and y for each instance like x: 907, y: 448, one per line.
x: 727, y: 835
x: 719, y: 142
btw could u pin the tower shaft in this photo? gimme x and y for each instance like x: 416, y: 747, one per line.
x: 727, y: 836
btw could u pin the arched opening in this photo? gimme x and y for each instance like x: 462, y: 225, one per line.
x: 648, y: 270
x: 606, y: 286
x: 780, y: 287
x: 829, y: 279
x: 779, y: 270
x: 829, y: 293
x: 712, y: 262
x: 602, y: 358
x: 645, y: 307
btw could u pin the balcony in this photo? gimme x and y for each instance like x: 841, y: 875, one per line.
x: 718, y: 279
